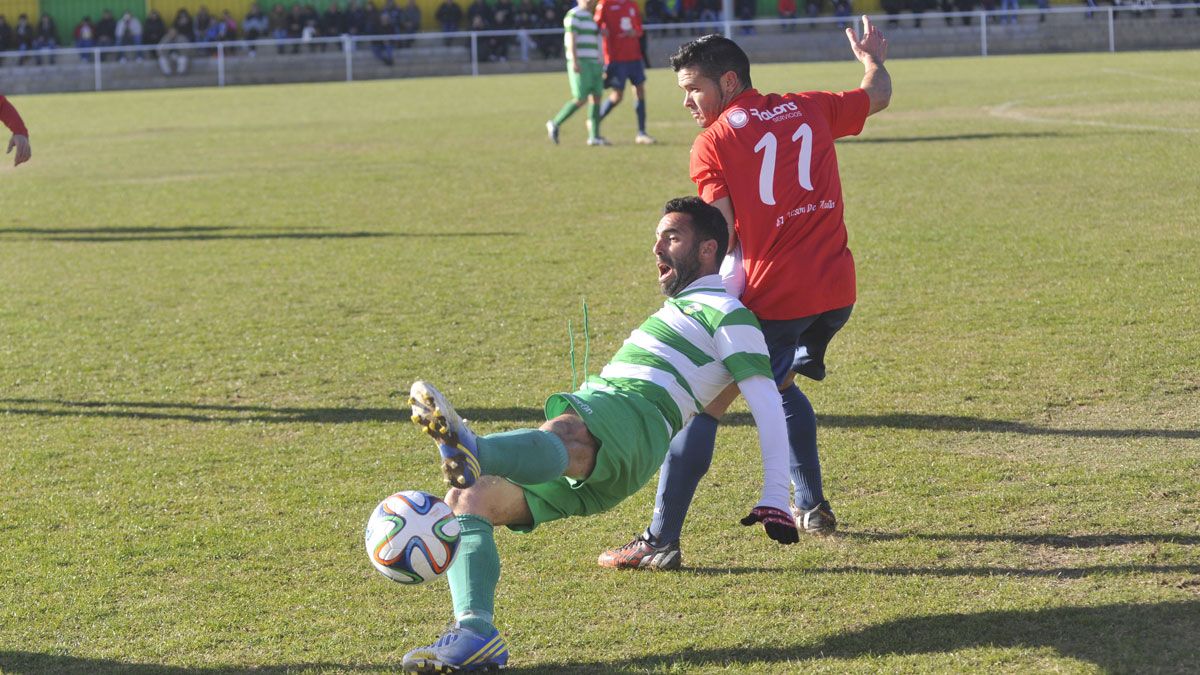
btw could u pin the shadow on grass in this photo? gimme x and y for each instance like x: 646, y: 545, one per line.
x: 972, y: 424
x: 1052, y: 540
x: 202, y: 412
x: 1115, y: 638
x: 32, y: 663
x: 211, y: 233
x: 1127, y: 637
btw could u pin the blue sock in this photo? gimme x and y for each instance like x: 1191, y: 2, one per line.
x: 606, y: 107
x: 686, y: 463
x: 802, y: 433
x: 641, y: 115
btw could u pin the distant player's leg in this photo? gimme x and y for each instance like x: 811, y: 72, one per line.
x: 614, y: 81
x: 578, y: 98
x: 594, y: 117
x: 638, y: 78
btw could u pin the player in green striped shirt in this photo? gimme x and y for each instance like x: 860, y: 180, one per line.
x: 604, y: 442
x: 581, y: 37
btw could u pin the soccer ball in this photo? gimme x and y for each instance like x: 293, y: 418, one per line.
x: 412, y: 537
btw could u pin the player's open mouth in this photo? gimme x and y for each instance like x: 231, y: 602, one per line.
x: 663, y: 270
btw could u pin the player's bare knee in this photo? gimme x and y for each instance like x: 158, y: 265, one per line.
x: 581, y: 445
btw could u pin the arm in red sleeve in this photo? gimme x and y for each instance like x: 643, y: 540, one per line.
x: 11, y: 118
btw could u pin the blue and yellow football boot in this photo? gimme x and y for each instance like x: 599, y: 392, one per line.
x: 456, y: 443
x: 460, y: 649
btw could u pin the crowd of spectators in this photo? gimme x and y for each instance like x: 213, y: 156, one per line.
x: 299, y: 27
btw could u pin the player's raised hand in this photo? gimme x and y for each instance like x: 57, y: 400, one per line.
x: 780, y: 525
x: 872, y: 45
x: 21, y: 143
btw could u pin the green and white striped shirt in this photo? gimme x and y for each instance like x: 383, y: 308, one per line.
x: 686, y: 353
x: 587, y: 35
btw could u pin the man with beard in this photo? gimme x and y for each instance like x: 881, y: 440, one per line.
x: 604, y: 442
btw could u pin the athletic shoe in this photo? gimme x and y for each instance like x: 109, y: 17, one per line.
x: 459, y: 650
x: 598, y: 140
x: 436, y: 417
x: 641, y: 554
x: 644, y: 139
x: 552, y: 131
x: 818, y: 520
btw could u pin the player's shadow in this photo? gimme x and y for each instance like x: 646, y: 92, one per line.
x: 1063, y: 541
x: 231, y: 413
x: 972, y: 424
x: 33, y: 663
x: 213, y: 233
x: 1115, y: 638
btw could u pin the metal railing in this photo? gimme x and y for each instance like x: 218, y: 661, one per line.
x: 467, y: 51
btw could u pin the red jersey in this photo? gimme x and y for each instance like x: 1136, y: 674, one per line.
x: 11, y: 119
x: 615, y: 18
x: 773, y: 156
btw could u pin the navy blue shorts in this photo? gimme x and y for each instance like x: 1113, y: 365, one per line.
x: 800, y: 344
x: 618, y: 71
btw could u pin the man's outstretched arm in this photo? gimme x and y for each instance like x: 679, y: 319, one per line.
x: 871, y: 51
x: 772, y: 509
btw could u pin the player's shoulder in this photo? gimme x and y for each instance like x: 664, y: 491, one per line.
x: 716, y: 306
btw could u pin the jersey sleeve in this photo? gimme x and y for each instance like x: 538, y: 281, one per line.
x: 846, y: 111
x: 11, y: 118
x: 706, y: 170
x: 741, y: 345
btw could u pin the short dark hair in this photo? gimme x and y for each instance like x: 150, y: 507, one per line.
x: 713, y: 55
x: 707, y: 220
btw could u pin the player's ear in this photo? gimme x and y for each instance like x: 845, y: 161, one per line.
x: 729, y: 82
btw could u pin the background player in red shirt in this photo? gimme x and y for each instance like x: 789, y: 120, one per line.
x: 20, y: 135
x: 767, y: 161
x: 620, y: 24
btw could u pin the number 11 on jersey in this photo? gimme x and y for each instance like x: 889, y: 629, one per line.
x: 768, y: 144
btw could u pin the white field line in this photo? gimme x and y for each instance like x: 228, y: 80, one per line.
x: 1010, y: 110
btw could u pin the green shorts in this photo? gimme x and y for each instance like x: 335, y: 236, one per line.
x: 589, y: 79
x: 633, y: 442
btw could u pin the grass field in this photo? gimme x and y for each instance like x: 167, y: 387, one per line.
x: 212, y: 303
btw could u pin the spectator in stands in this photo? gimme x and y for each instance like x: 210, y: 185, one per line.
x: 23, y: 34
x: 918, y: 7
x: 381, y: 24
x: 277, y: 24
x: 184, y: 26
x: 745, y: 10
x: 170, y: 50
x: 222, y: 29
x: 203, y: 22
x: 1043, y: 5
x: 409, y: 21
x: 45, y: 38
x: 255, y: 26
x: 85, y: 37
x: 502, y: 19
x: 7, y: 39
x: 892, y: 8
x: 842, y: 9
x: 154, y: 28
x: 333, y: 20
x: 813, y: 9
x: 550, y: 46
x: 449, y: 17
x: 710, y: 12
x: 356, y: 18
x: 129, y: 34
x: 964, y: 6
x: 106, y: 31
x: 787, y: 11
x: 1008, y: 7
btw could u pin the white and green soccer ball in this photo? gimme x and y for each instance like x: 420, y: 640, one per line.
x: 412, y: 537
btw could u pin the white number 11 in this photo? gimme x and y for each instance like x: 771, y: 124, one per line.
x: 766, y: 173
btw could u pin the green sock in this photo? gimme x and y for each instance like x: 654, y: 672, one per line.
x: 594, y: 116
x: 528, y: 456
x: 568, y: 109
x: 474, y: 574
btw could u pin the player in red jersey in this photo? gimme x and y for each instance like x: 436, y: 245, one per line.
x: 767, y: 161
x: 620, y: 24
x: 20, y: 135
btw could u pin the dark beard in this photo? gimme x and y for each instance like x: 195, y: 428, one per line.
x: 686, y: 270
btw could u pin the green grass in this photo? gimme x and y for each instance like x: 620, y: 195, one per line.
x: 212, y: 302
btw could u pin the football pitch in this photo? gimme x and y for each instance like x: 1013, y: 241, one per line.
x: 212, y: 303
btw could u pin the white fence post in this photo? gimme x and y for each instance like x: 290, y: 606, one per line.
x: 983, y: 33
x: 96, y: 67
x: 220, y: 64
x: 348, y: 50
x: 1112, y: 34
x: 474, y: 54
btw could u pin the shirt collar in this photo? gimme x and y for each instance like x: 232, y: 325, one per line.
x: 704, y: 283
